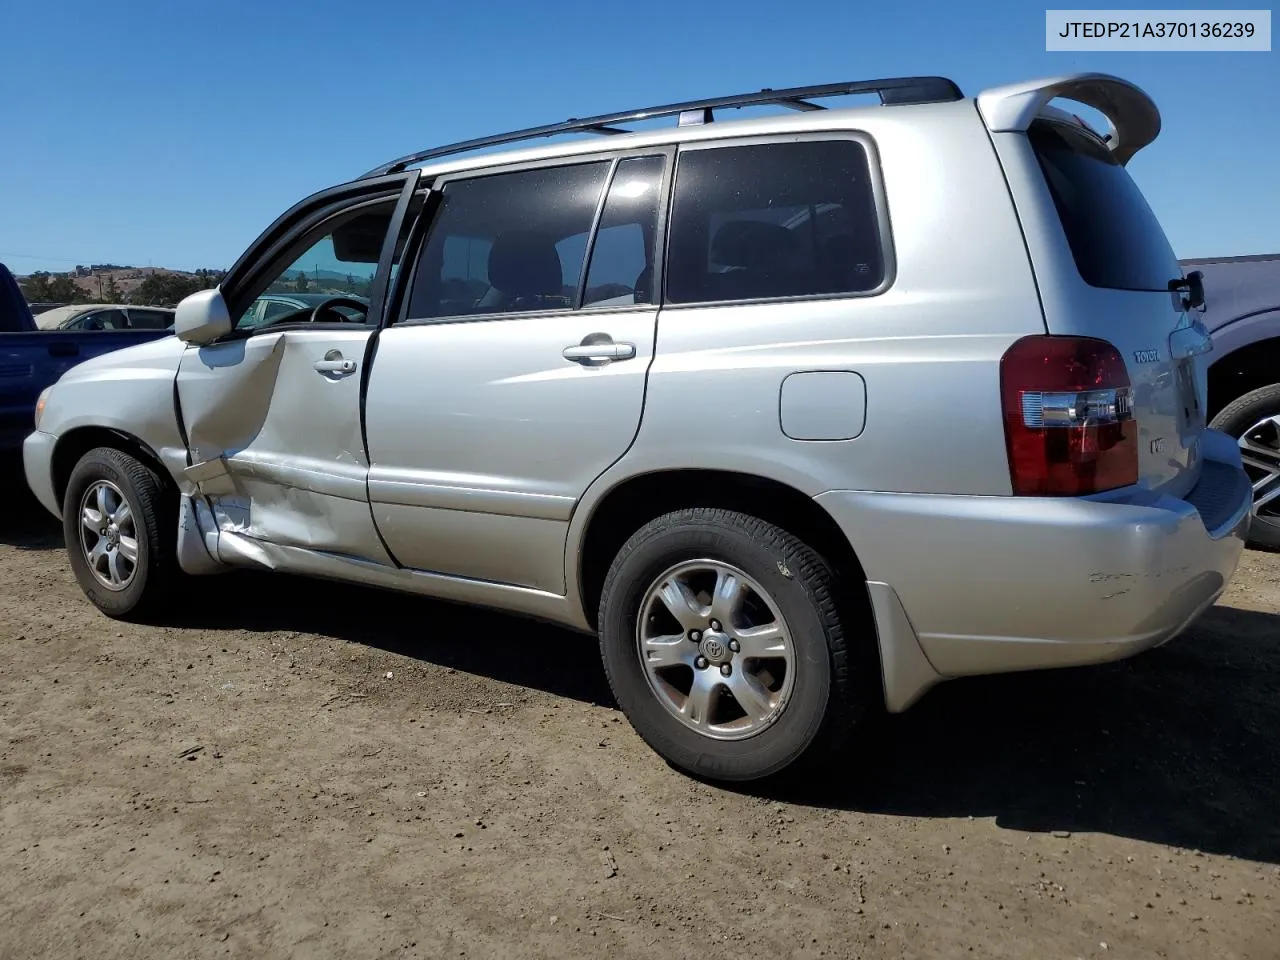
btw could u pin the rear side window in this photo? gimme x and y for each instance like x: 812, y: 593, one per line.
x: 1115, y: 239
x: 764, y: 221
x: 278, y: 308
x: 102, y: 320
x: 509, y: 242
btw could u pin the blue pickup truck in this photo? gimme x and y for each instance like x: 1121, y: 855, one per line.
x: 32, y: 359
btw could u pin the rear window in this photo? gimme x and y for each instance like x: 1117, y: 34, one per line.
x: 1115, y: 239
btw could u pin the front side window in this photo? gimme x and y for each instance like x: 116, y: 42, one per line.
x: 508, y: 242
x: 340, y: 262
x: 764, y: 221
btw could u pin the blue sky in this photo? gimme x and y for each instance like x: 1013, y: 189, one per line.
x: 172, y: 133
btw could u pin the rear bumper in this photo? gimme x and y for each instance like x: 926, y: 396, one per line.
x: 37, y: 464
x: 993, y: 584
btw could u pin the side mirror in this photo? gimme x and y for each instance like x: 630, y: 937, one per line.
x: 202, y: 317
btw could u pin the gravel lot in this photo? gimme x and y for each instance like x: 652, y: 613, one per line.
x: 301, y: 769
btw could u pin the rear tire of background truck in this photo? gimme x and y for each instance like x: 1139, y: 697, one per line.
x: 1254, y: 420
x: 121, y: 530
x: 723, y: 644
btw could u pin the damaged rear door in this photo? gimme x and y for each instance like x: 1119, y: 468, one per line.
x: 272, y: 412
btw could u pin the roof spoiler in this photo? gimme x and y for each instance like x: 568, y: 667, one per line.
x: 1133, y: 115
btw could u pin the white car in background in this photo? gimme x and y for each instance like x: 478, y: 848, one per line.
x: 105, y: 316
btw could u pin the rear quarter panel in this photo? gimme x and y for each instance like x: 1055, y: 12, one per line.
x: 1138, y: 323
x: 928, y: 346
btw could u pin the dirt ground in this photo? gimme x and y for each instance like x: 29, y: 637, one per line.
x: 301, y: 769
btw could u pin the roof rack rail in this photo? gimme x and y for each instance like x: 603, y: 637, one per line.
x: 897, y: 90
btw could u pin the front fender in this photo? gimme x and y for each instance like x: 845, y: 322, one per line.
x: 130, y: 391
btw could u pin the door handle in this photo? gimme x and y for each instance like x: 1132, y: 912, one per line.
x: 599, y: 352
x: 336, y: 366
x: 64, y: 349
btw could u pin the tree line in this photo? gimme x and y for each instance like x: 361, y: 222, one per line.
x: 156, y: 290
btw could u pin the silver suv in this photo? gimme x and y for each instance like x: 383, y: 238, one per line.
x: 801, y: 414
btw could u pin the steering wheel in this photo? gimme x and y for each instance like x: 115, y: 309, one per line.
x: 338, y: 301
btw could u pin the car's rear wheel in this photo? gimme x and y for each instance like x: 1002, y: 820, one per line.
x: 121, y: 531
x: 1254, y: 420
x: 723, y: 643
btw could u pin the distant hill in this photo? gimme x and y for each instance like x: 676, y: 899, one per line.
x: 128, y: 279
x: 111, y: 283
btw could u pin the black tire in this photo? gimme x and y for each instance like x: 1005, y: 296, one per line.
x: 154, y: 522
x: 832, y: 688
x: 1237, y: 417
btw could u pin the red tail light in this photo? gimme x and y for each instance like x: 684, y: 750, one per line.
x: 1068, y: 417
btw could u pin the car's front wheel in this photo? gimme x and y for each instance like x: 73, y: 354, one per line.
x: 121, y: 531
x: 723, y: 643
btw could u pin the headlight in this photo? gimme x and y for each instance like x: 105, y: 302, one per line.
x: 40, y: 401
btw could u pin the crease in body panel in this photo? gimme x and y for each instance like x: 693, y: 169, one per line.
x: 225, y: 414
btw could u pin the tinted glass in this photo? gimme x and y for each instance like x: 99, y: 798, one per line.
x: 278, y: 308
x: 149, y: 319
x: 508, y: 242
x: 621, y: 270
x: 103, y: 320
x: 773, y: 220
x: 1115, y: 239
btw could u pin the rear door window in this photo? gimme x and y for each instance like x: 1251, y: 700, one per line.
x: 1116, y: 241
x: 773, y: 220
x: 509, y: 242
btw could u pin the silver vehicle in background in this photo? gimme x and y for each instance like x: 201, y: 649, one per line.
x: 105, y: 316
x: 801, y: 414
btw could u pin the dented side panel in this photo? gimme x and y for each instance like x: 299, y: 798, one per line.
x: 276, y: 445
x: 225, y: 392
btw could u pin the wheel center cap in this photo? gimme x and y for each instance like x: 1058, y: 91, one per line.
x: 113, y: 535
x: 715, y: 647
